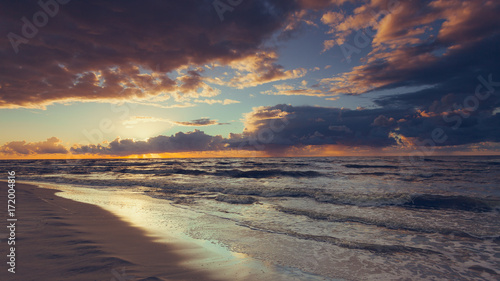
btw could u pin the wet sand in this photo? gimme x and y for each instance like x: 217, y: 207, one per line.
x: 61, y: 239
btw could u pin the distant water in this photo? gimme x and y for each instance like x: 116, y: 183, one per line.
x: 371, y: 218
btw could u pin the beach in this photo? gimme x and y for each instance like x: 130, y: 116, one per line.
x: 60, y: 239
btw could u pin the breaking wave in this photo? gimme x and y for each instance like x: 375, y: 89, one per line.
x: 358, y: 166
x: 386, y: 223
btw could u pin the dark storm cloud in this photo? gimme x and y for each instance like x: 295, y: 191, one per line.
x: 180, y: 142
x: 283, y: 125
x: 97, y: 50
x: 457, y: 74
x: 462, y: 100
x: 447, y: 52
x: 476, y: 128
x: 422, y: 43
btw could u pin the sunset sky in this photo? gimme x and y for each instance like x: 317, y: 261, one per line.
x: 203, y: 78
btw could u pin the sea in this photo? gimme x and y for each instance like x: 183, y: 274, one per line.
x: 321, y: 218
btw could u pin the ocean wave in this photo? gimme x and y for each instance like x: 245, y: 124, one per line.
x: 359, y: 166
x: 430, y: 201
x: 405, y: 200
x: 434, y: 160
x: 388, y: 224
x: 267, y: 173
x: 362, y: 199
x: 377, y: 248
x: 159, y: 170
x: 380, y: 174
x: 234, y: 173
x: 236, y: 199
x: 489, y: 163
x: 348, y: 244
x: 419, y: 201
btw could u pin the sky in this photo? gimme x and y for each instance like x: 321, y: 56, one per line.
x: 241, y: 78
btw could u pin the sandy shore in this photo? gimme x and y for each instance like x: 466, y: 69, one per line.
x: 60, y: 239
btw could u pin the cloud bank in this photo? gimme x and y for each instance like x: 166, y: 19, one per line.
x: 114, y: 50
x: 180, y: 142
x: 276, y: 129
x: 50, y: 146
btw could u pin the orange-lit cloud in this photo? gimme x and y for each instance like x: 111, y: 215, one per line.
x: 180, y: 142
x: 50, y: 146
x: 408, y: 38
x: 257, y: 69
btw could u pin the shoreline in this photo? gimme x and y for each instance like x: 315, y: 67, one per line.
x: 62, y: 239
